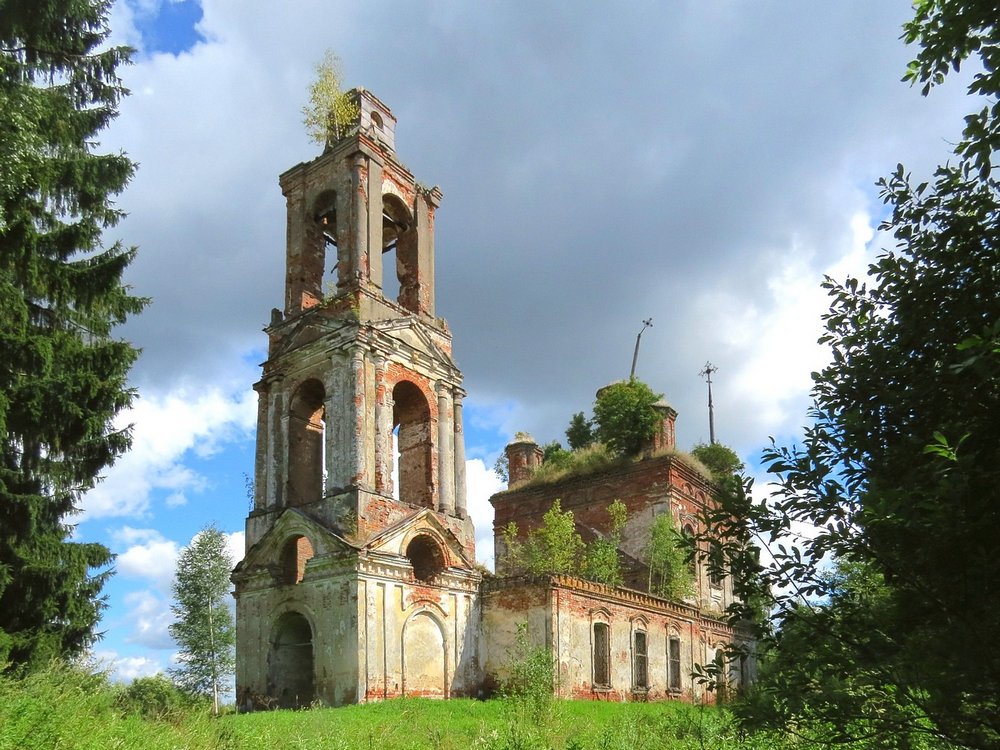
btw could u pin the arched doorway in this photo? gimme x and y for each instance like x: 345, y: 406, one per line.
x: 424, y: 667
x: 290, y: 663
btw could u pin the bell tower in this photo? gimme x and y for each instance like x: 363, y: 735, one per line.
x: 360, y: 403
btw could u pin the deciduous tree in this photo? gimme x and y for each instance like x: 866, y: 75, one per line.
x: 331, y: 110
x: 204, y: 626
x: 625, y: 418
x: 898, y: 472
x: 63, y: 375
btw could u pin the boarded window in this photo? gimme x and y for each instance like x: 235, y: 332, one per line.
x: 639, y: 656
x: 674, y: 663
x: 602, y: 654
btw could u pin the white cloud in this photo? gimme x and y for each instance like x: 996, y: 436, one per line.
x: 126, y: 668
x: 149, y: 618
x: 481, y: 483
x: 236, y: 545
x: 151, y: 556
x: 166, y: 429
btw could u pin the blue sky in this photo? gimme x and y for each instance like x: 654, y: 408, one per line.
x: 703, y: 164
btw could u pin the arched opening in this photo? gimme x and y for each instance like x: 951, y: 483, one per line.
x: 325, y: 215
x: 399, y: 242
x: 296, y: 553
x: 426, y: 557
x: 412, y: 415
x: 425, y: 667
x: 290, y: 663
x: 306, y: 444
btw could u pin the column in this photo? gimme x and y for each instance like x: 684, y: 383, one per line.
x: 359, y: 214
x: 461, y: 509
x: 446, y: 475
x: 359, y: 406
x: 383, y: 430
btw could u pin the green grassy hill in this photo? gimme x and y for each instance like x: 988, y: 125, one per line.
x: 71, y: 709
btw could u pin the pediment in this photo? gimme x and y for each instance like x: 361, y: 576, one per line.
x: 412, y: 334
x: 395, y: 539
x: 290, y: 524
x: 309, y: 329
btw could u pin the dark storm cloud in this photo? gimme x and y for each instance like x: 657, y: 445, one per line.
x: 600, y: 163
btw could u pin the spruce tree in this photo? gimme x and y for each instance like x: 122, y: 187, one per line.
x: 204, y: 627
x: 62, y: 373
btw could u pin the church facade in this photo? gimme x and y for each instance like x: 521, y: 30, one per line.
x: 359, y: 581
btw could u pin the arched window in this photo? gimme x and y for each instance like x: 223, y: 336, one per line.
x: 640, y: 660
x: 296, y: 553
x: 673, y: 662
x: 306, y: 444
x: 398, y: 247
x: 325, y: 217
x: 602, y: 655
x: 412, y: 415
x: 426, y: 557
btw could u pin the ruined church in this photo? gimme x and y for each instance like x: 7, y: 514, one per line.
x: 360, y: 581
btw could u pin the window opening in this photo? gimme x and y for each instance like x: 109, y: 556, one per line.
x: 640, y: 657
x: 298, y: 551
x: 411, y: 414
x: 326, y: 221
x: 602, y: 656
x: 426, y: 557
x: 674, y: 663
x: 396, y: 226
x: 307, y: 444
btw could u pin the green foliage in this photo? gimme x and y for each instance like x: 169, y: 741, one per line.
x: 331, y: 112
x: 578, y: 463
x: 580, y: 432
x: 528, y: 675
x: 949, y: 32
x: 719, y: 459
x: 625, y: 418
x: 204, y: 628
x: 602, y: 562
x: 552, y: 548
x: 502, y: 467
x: 63, y: 377
x: 555, y: 455
x: 666, y: 554
x: 60, y: 706
x: 898, y: 472
x: 153, y: 697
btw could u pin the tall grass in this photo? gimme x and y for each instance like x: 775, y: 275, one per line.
x: 70, y: 709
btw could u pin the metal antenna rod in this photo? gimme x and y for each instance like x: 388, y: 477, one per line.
x: 647, y: 323
x: 707, y: 374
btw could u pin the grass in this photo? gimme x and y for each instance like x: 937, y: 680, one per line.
x: 596, y: 458
x: 71, y: 709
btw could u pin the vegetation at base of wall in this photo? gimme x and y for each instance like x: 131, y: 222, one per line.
x: 72, y: 708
